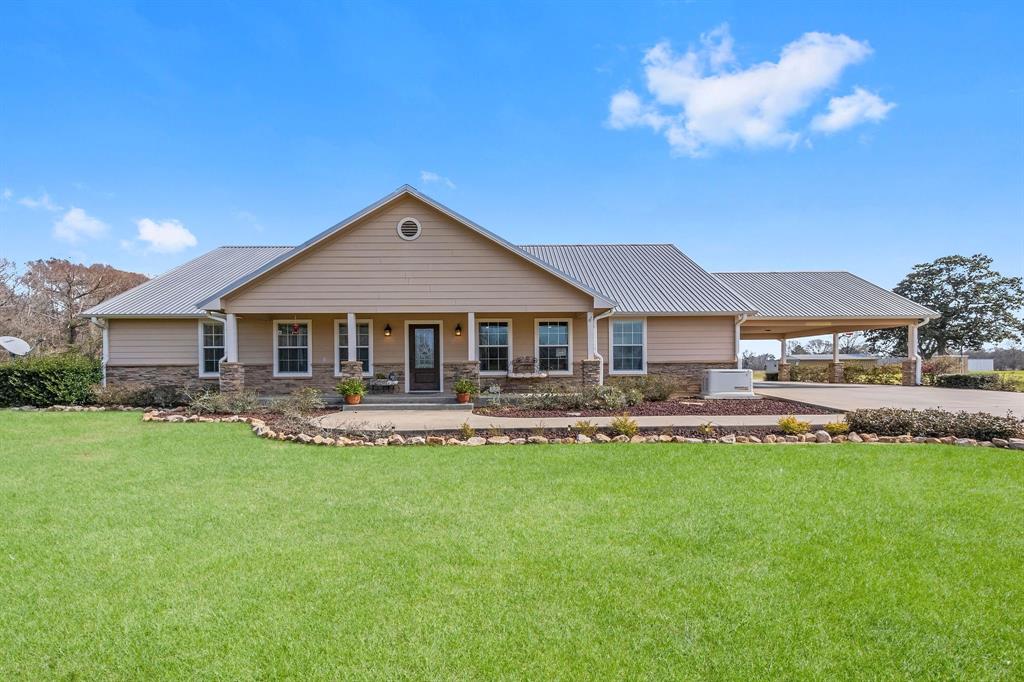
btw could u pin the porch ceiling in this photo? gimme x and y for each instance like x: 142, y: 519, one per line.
x: 795, y: 328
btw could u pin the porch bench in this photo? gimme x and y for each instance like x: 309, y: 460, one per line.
x: 382, y: 385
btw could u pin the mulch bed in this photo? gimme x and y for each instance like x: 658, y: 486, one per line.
x: 668, y: 408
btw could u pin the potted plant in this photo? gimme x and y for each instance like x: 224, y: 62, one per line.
x: 353, y: 390
x: 464, y: 389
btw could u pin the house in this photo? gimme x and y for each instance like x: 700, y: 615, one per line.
x: 410, y: 288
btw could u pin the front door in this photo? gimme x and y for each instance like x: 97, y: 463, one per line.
x: 424, y: 357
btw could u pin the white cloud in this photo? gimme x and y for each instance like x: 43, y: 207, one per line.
x: 43, y: 202
x: 165, y: 236
x: 430, y: 176
x: 76, y: 225
x: 845, y: 112
x: 702, y: 99
x: 7, y: 193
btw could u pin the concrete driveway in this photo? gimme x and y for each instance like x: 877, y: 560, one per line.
x: 845, y: 397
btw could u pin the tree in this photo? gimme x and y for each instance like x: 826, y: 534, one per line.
x: 756, y: 361
x: 52, y: 294
x: 977, y: 305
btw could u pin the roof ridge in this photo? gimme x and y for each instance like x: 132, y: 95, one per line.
x: 255, y: 246
x: 604, y: 244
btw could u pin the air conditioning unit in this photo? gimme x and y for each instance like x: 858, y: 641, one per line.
x: 727, y: 383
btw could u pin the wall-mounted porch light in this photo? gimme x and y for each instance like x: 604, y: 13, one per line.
x: 458, y: 330
x: 387, y: 330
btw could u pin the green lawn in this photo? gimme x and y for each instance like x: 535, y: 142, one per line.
x: 131, y: 550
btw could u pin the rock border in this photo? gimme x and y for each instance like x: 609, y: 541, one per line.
x: 821, y: 437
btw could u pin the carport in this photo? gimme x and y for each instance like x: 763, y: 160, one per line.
x: 793, y: 305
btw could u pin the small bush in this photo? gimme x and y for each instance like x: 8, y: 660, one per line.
x: 935, y: 423
x: 624, y: 426
x: 652, y: 388
x: 707, y: 430
x: 466, y: 431
x: 140, y: 395
x: 791, y: 426
x: 65, y: 379
x: 837, y: 428
x: 209, y: 401
x: 465, y: 386
x: 587, y: 428
x: 771, y: 376
x: 612, y: 398
x: 351, y: 386
x: 304, y: 401
x: 983, y: 382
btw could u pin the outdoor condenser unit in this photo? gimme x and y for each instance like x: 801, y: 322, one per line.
x: 727, y: 383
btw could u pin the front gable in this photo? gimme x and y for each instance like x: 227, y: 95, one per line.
x: 368, y: 266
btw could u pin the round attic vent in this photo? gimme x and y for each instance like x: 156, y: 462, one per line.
x: 409, y: 228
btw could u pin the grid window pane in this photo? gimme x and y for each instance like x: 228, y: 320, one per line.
x: 553, y: 359
x: 293, y: 347
x: 553, y: 346
x: 628, y: 345
x: 362, y: 343
x: 213, y: 347
x: 492, y: 346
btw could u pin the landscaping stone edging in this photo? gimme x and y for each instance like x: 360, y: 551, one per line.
x: 260, y: 428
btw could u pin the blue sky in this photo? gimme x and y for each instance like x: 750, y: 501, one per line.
x: 754, y: 136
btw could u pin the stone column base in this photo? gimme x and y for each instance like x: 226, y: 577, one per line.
x: 835, y: 372
x: 783, y: 371
x: 453, y: 371
x: 351, y: 369
x: 591, y: 372
x: 909, y: 368
x: 232, y: 377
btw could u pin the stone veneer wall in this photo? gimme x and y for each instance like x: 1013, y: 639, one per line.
x: 835, y: 373
x: 453, y: 371
x: 909, y: 371
x: 687, y: 375
x: 157, y: 375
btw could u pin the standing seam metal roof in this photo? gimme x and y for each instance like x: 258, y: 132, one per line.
x: 644, y: 278
x: 820, y: 294
x: 178, y: 291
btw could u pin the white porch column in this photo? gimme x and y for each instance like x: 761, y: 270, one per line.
x: 471, y: 337
x: 835, y: 347
x: 782, y: 355
x: 911, y: 341
x: 230, y: 338
x: 591, y: 337
x: 351, y: 320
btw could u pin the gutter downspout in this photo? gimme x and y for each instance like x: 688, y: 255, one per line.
x: 600, y: 357
x: 917, y: 352
x: 739, y: 323
x: 102, y: 324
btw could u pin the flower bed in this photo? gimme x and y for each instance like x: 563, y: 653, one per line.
x: 672, y: 408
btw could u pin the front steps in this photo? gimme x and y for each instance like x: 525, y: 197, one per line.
x: 408, y: 401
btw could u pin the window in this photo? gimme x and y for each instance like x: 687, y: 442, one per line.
x: 493, y: 345
x: 627, y: 346
x: 554, y: 352
x: 211, y: 348
x: 292, y: 348
x: 362, y: 344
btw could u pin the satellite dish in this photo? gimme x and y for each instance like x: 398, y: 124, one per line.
x: 14, y: 345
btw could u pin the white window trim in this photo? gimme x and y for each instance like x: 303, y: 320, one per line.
x: 536, y: 345
x: 337, y: 339
x: 611, y: 345
x: 309, y: 348
x: 209, y: 375
x: 480, y: 321
x: 398, y: 229
x: 440, y: 352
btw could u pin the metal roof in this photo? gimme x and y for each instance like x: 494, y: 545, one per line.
x: 644, y: 278
x: 820, y: 295
x: 404, y: 190
x: 178, y: 291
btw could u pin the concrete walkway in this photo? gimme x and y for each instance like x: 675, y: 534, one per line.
x: 450, y: 420
x: 845, y: 397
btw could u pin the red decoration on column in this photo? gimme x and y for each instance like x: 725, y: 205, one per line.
x: 295, y: 327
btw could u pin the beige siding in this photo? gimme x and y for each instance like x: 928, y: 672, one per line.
x: 154, y: 342
x: 368, y: 268
x: 682, y: 339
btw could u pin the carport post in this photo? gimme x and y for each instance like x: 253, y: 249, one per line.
x: 783, y: 365
x: 835, y: 368
x: 912, y: 365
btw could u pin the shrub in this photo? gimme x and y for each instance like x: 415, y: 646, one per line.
x: 140, y: 395
x: 304, y: 401
x: 46, y: 380
x: 808, y: 372
x: 771, y: 376
x: 791, y: 426
x: 466, y: 431
x: 707, y: 430
x: 209, y: 401
x: 880, y: 374
x: 837, y: 428
x: 652, y: 388
x: 587, y: 428
x: 611, y: 398
x: 985, y: 382
x: 624, y: 426
x: 351, y: 386
x: 889, y: 421
x: 465, y: 386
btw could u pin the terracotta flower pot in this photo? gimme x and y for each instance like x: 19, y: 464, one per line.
x: 462, y: 397
x: 353, y: 399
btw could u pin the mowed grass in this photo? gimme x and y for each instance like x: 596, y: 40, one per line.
x: 131, y: 550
